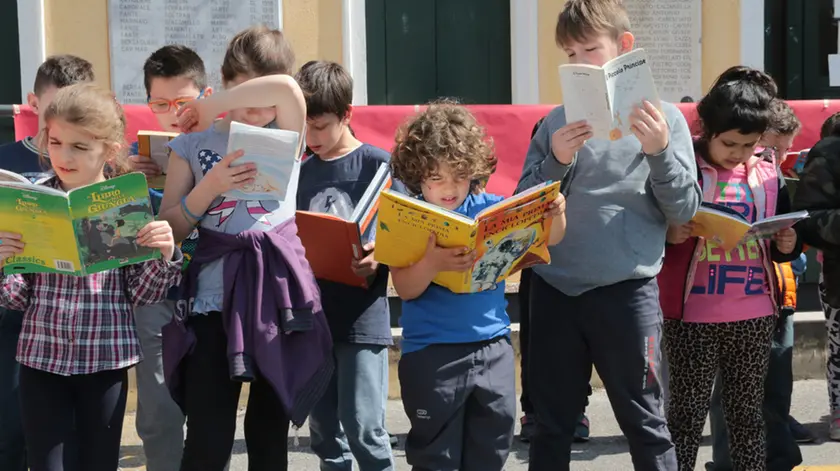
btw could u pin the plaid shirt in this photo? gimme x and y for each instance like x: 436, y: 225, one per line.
x: 76, y: 325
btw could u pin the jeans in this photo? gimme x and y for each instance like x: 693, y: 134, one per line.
x: 160, y: 422
x: 349, y: 420
x: 12, y: 443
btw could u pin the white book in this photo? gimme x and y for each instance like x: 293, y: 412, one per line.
x: 605, y: 96
x: 276, y: 153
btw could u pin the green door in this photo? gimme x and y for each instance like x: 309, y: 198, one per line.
x: 421, y: 50
x: 10, y: 58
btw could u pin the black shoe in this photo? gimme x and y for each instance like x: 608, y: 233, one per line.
x: 710, y: 466
x: 526, y: 428
x: 582, y: 429
x: 799, y: 432
x: 395, y: 441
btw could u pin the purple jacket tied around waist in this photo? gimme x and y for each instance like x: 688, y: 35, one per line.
x: 272, y: 316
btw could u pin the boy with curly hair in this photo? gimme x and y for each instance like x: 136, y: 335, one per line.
x: 457, y: 368
x: 597, y: 303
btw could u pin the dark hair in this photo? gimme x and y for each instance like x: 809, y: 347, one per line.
x: 445, y: 132
x: 784, y: 122
x: 740, y: 99
x: 580, y: 20
x: 831, y: 126
x: 174, y: 60
x: 328, y: 88
x: 537, y: 127
x: 257, y: 51
x: 61, y: 71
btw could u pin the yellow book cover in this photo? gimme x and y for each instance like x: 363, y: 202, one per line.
x: 154, y: 145
x: 727, y: 228
x: 507, y: 237
x: 91, y: 229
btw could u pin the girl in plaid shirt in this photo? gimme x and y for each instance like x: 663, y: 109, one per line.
x: 78, y: 338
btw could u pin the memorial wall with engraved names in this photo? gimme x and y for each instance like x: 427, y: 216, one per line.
x: 139, y: 27
x: 670, y: 32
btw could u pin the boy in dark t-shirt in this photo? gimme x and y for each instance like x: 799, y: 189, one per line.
x: 351, y: 414
x: 23, y: 157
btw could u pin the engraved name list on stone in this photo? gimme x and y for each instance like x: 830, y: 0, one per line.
x: 670, y: 32
x: 139, y: 27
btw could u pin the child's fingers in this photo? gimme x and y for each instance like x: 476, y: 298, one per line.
x: 228, y: 159
x: 10, y: 236
x: 652, y: 111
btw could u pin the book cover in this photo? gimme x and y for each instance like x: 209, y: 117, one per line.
x: 332, y: 243
x: 89, y: 230
x: 605, y: 96
x: 507, y: 237
x: 155, y: 145
x: 275, y: 153
x: 727, y: 228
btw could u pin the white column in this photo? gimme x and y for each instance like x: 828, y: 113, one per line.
x: 752, y: 33
x: 524, y: 52
x: 32, y: 42
x: 354, y: 39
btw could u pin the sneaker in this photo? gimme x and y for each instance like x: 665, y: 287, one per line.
x: 834, y: 428
x: 395, y: 441
x: 527, y: 425
x: 582, y: 429
x: 799, y: 432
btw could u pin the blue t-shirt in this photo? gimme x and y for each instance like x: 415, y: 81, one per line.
x: 355, y: 315
x: 23, y: 158
x: 441, y: 316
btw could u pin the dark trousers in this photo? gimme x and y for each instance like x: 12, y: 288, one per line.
x: 85, y: 410
x: 212, y: 401
x: 524, y: 296
x: 696, y: 352
x: 12, y: 444
x: 783, y: 453
x: 618, y: 329
x: 461, y: 402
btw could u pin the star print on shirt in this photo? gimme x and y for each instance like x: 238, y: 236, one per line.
x: 208, y: 159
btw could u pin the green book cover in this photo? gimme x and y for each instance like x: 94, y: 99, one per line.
x: 88, y: 230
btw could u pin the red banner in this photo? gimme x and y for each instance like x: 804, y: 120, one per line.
x: 508, y: 125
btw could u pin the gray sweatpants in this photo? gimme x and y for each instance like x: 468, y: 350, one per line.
x: 461, y: 402
x: 160, y: 422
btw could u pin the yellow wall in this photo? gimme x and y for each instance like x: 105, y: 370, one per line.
x: 313, y: 27
x: 721, y: 32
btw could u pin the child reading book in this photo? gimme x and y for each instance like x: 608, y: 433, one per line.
x: 78, y: 339
x: 23, y: 158
x: 720, y: 306
x: 349, y: 420
x: 457, y: 365
x: 597, y: 302
x: 225, y: 331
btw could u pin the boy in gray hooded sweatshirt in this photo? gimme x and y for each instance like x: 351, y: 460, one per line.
x: 598, y: 301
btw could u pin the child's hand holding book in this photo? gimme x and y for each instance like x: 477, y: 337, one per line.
x: 785, y: 240
x: 157, y: 235
x: 650, y: 128
x: 224, y: 176
x: 679, y: 234
x: 146, y: 165
x: 441, y: 259
x: 10, y: 245
x: 366, y: 266
x: 566, y: 141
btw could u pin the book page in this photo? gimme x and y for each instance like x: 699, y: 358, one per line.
x: 106, y: 219
x: 766, y: 228
x: 513, y: 237
x: 274, y: 151
x: 585, y: 97
x: 43, y: 220
x: 7, y: 176
x: 629, y: 83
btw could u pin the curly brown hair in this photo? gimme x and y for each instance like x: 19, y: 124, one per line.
x: 444, y: 133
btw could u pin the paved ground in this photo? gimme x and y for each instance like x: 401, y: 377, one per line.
x: 606, y: 451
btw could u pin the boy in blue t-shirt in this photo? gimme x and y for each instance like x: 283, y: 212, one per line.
x: 173, y: 75
x: 457, y: 366
x: 24, y: 158
x: 349, y: 420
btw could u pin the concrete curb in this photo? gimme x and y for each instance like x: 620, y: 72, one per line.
x: 809, y: 355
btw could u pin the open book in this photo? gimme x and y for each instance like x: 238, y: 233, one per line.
x: 605, y: 96
x: 332, y: 243
x: 155, y: 145
x: 727, y: 228
x: 275, y: 153
x: 7, y: 176
x: 90, y: 229
x: 507, y: 237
